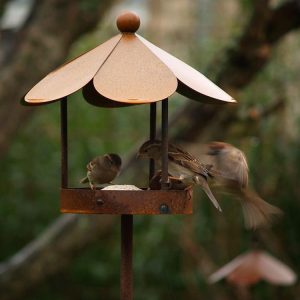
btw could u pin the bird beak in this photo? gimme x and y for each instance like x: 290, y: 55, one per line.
x: 138, y: 155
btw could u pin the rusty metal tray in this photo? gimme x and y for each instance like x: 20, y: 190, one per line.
x: 144, y: 202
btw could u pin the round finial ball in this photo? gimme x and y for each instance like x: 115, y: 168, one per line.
x: 128, y: 22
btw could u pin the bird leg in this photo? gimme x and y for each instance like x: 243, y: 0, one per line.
x: 175, y: 178
x: 92, y: 186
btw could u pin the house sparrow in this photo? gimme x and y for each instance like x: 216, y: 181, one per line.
x: 182, y: 165
x: 102, y: 169
x: 232, y: 174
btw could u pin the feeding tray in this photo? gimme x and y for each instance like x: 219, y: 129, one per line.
x: 131, y: 202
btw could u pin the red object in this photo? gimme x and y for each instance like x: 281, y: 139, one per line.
x: 256, y: 265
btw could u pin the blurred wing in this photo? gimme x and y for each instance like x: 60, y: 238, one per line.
x: 241, y: 169
x: 227, y: 269
x: 232, y: 166
x: 274, y: 271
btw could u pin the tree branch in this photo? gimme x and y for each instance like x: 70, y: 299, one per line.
x: 266, y: 27
x: 44, y: 43
x: 257, y: 114
x: 243, y: 62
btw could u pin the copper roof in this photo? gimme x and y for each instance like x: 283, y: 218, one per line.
x: 126, y: 70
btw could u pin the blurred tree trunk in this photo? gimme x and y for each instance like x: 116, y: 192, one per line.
x: 41, y: 46
x: 242, y: 64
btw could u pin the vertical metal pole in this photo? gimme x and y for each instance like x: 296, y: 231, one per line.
x: 152, y: 137
x: 164, y: 143
x: 126, y: 257
x: 64, y: 142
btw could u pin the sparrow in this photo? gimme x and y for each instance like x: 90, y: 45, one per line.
x: 102, y: 169
x: 182, y: 165
x: 231, y: 175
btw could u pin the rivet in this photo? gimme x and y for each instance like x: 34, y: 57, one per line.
x: 164, y: 209
x: 99, y: 201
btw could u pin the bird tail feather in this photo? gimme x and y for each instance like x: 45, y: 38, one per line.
x: 256, y: 211
x: 203, y: 183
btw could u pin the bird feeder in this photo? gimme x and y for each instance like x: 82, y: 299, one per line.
x: 125, y: 70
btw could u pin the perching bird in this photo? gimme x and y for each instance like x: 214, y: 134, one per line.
x: 182, y: 165
x: 232, y: 175
x: 102, y: 169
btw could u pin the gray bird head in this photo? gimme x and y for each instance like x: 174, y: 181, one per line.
x: 216, y: 148
x: 115, y: 159
x: 150, y: 149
